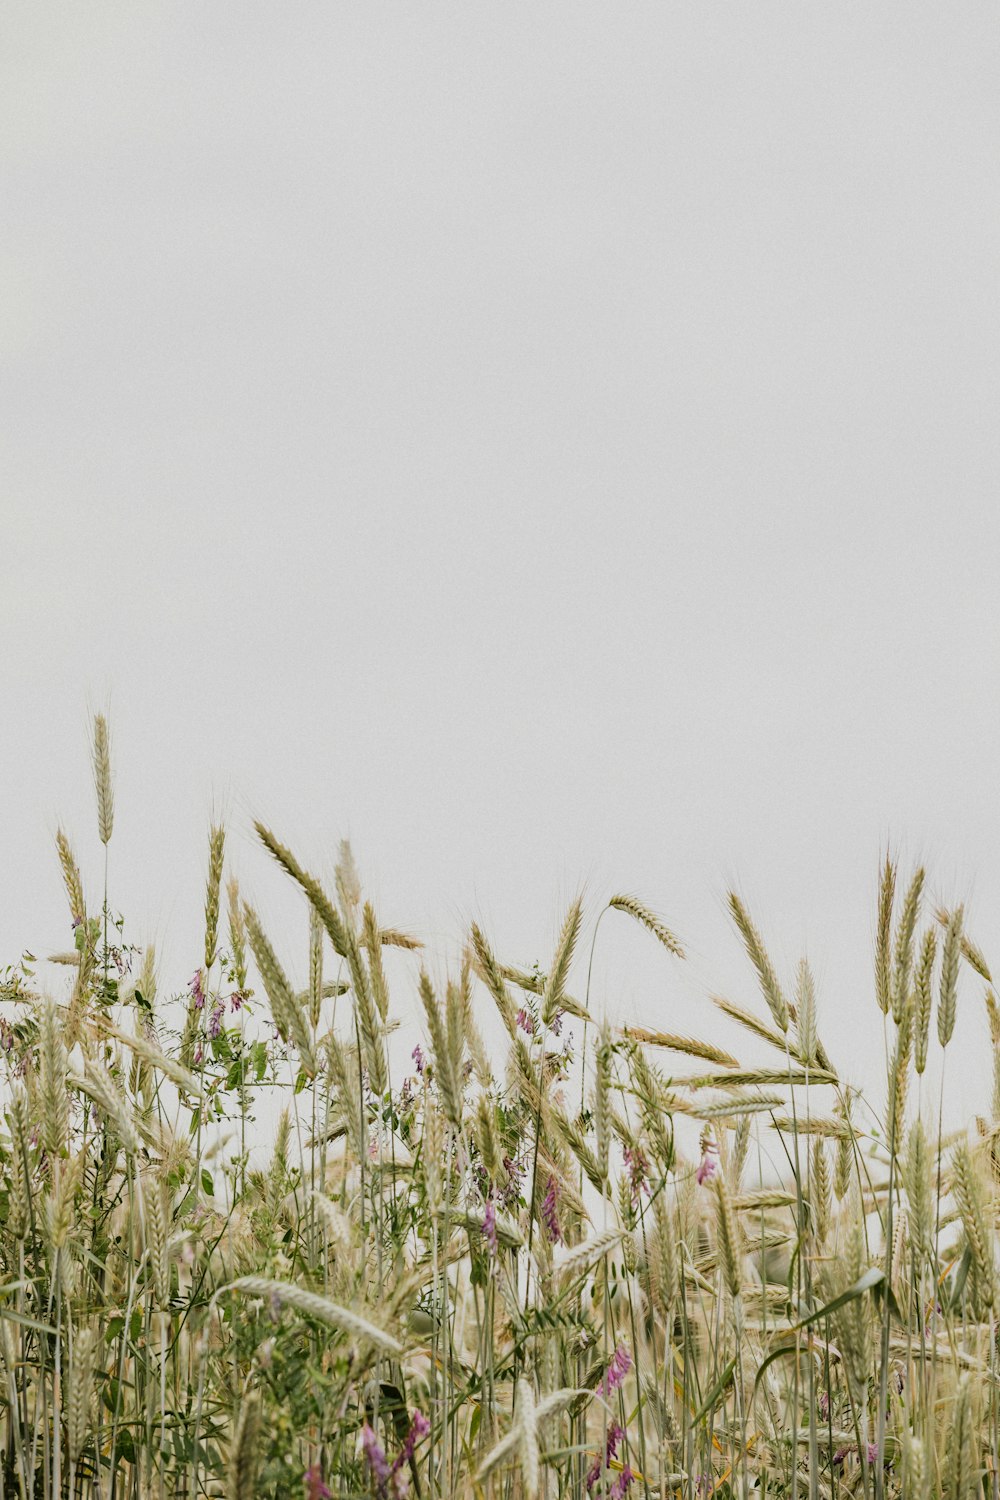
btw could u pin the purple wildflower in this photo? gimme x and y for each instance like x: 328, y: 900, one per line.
x: 550, y: 1215
x: 418, y: 1058
x: 622, y: 1484
x: 490, y: 1225
x: 514, y: 1170
x: 215, y: 1019
x: 614, y: 1437
x: 556, y: 1024
x: 824, y: 1404
x: 706, y: 1169
x: 197, y: 990
x: 375, y: 1458
x: 526, y: 1021
x: 315, y: 1488
x: 621, y: 1363
x: 238, y: 999
x: 199, y: 1053
x: 515, y: 1173
x: 419, y: 1428
x: 871, y: 1452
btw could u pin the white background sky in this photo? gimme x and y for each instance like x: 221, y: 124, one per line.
x: 552, y: 445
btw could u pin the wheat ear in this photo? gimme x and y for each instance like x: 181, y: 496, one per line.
x: 757, y: 953
x: 80, y: 1402
x: 949, y: 977
x: 555, y: 983
x: 71, y: 879
x: 102, y: 780
x: 244, y: 1458
x: 904, y: 945
x: 216, y: 856
x: 324, y: 908
x: 53, y: 1095
x: 323, y: 1309
x: 641, y: 913
x: 923, y: 999
x: 883, y: 937
x: 489, y: 972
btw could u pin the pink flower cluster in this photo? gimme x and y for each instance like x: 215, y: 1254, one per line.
x: 708, y: 1163
x: 871, y: 1453
x: 390, y: 1481
x: 550, y: 1216
x: 315, y: 1488
x: 622, y: 1484
x: 615, y: 1435
x: 621, y: 1363
x: 490, y: 1225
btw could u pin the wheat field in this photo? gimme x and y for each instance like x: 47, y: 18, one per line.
x: 552, y: 1267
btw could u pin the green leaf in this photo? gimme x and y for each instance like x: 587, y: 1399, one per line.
x: 716, y: 1391
x: 871, y: 1278
x: 864, y: 1283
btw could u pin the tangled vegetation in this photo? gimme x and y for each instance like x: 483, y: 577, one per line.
x: 532, y: 1269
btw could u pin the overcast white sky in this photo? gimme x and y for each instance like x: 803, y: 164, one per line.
x: 549, y: 444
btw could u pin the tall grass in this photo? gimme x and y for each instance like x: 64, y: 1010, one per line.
x: 521, y: 1268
